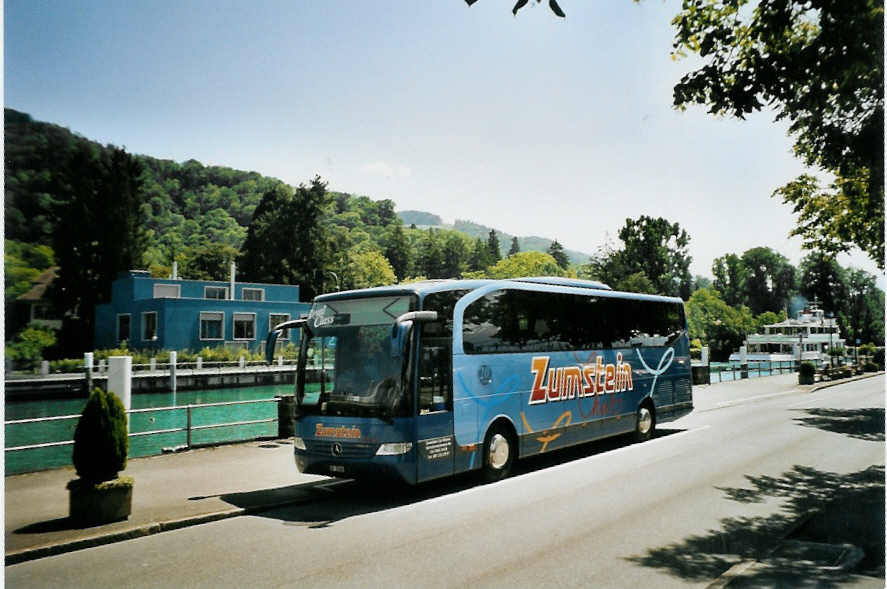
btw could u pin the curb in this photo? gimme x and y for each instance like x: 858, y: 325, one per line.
x: 832, y: 383
x: 141, y: 531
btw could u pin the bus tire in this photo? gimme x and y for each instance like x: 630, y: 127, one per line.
x: 499, y: 452
x: 645, y: 423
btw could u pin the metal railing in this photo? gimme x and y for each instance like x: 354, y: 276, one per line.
x: 752, y: 370
x: 188, y: 428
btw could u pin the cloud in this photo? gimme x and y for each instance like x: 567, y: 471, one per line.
x: 386, y: 170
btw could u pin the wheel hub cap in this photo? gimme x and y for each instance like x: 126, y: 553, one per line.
x: 645, y: 420
x: 499, y: 451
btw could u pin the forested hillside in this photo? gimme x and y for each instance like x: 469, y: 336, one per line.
x: 476, y: 231
x: 66, y: 195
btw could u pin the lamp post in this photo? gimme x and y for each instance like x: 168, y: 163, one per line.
x: 831, y: 361
x: 800, y: 348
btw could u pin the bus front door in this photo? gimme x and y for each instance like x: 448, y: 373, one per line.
x: 434, y: 436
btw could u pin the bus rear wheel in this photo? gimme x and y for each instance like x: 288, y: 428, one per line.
x: 646, y: 423
x: 499, y: 451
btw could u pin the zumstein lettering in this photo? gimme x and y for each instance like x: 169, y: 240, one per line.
x: 342, y: 431
x: 584, y: 380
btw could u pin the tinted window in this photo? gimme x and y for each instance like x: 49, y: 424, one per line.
x: 526, y: 321
x: 436, y: 353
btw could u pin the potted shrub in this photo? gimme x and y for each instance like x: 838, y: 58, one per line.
x: 101, y: 445
x: 807, y: 373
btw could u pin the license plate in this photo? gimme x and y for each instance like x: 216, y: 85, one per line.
x: 337, y: 469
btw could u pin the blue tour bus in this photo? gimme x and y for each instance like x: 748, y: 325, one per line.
x: 426, y: 380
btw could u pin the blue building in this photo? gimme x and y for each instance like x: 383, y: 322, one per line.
x: 178, y: 314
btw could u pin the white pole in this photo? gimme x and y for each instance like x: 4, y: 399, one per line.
x: 172, y: 372
x: 231, y: 291
x: 120, y: 380
x: 87, y: 367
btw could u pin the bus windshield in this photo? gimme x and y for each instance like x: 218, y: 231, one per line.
x: 347, y: 363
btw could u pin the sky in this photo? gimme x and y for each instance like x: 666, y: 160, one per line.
x: 533, y: 125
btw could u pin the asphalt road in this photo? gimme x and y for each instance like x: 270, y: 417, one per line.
x: 719, y: 487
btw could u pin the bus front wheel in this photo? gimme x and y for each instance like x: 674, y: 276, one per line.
x: 499, y: 451
x: 646, y: 423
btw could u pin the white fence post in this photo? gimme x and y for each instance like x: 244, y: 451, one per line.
x: 153, y: 364
x: 242, y: 362
x: 172, y: 371
x: 280, y: 360
x: 87, y: 368
x: 44, y: 368
x: 199, y: 363
x: 120, y: 380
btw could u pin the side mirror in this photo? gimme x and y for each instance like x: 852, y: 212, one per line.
x: 271, y: 342
x: 402, y: 327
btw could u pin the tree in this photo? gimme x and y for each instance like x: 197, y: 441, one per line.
x: 397, y: 250
x: 700, y: 281
x: 493, y: 246
x: 719, y: 326
x: 526, y: 264
x: 286, y: 241
x: 769, y: 280
x: 637, y: 282
x: 823, y: 280
x: 730, y: 278
x: 370, y: 269
x: 266, y: 245
x: 430, y: 257
x: 556, y: 251
x: 653, y: 246
x: 480, y: 259
x: 455, y: 256
x: 864, y: 308
x: 209, y: 262
x: 99, y: 233
x: 819, y: 65
x: 515, y: 247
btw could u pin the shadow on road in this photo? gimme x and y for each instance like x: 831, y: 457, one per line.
x: 330, y: 504
x: 863, y: 424
x: 836, y: 508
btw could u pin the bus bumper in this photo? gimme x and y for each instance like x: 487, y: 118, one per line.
x: 401, y: 467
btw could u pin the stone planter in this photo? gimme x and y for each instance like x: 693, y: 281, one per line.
x: 92, y: 505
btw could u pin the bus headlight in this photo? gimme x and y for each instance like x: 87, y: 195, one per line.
x: 299, y: 443
x: 394, y: 448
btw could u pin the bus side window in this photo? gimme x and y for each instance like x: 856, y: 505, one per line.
x: 436, y: 354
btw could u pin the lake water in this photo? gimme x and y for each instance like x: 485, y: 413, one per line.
x: 25, y: 434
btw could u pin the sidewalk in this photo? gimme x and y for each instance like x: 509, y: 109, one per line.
x: 171, y: 491
x: 178, y: 490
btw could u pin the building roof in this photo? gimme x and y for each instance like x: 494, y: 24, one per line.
x: 38, y: 289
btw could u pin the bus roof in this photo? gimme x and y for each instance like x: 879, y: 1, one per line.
x: 428, y: 286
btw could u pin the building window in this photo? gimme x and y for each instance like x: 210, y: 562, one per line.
x: 275, y: 319
x: 212, y: 325
x: 149, y: 326
x: 123, y: 322
x: 215, y: 292
x: 253, y: 294
x: 167, y: 291
x: 244, y: 326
